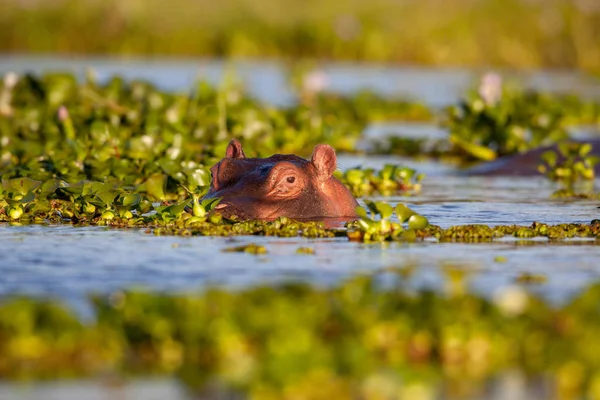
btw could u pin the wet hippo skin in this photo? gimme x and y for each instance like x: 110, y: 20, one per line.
x: 283, y: 185
x: 524, y: 164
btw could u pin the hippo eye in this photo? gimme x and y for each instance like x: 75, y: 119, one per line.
x: 291, y: 179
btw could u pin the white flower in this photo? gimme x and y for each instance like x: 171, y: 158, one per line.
x: 315, y: 81
x: 490, y: 88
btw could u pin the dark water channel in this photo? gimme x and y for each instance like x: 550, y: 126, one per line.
x: 68, y: 263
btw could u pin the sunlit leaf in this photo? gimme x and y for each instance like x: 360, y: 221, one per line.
x: 361, y: 212
x: 155, y: 186
x: 131, y: 200
x: 417, y: 221
x: 403, y: 212
x: 24, y: 185
x: 107, y: 197
x: 477, y: 151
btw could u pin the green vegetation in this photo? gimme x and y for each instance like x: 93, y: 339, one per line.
x: 92, y: 131
x: 378, y: 226
x: 570, y: 164
x: 572, y: 167
x: 515, y: 33
x: 108, y: 154
x: 358, y: 339
x: 391, y: 179
x: 498, y: 120
x: 485, y: 233
x: 125, y: 154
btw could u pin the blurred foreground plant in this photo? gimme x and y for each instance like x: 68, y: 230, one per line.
x: 266, y: 341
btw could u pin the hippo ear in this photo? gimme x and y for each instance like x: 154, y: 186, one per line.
x: 323, y: 158
x: 234, y: 150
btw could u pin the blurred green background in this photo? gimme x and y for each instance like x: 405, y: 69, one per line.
x: 484, y: 33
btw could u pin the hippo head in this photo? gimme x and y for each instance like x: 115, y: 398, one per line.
x: 280, y: 186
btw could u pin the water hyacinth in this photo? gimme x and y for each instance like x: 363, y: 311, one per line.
x: 375, y: 225
x: 572, y: 167
x: 498, y: 121
x: 390, y: 180
x: 351, y: 338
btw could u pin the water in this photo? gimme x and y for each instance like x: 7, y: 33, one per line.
x: 268, y: 80
x: 511, y: 385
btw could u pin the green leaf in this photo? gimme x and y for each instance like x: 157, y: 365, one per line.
x: 107, y: 197
x: 372, y: 207
x: 550, y: 157
x: 155, y: 186
x: 198, y: 178
x: 354, y: 176
x: 384, y: 209
x: 585, y: 149
x: 97, y: 187
x: 75, y: 189
x: 211, y: 203
x: 564, y: 148
x: 50, y: 186
x: 387, y: 171
x: 403, y: 212
x: 176, y: 209
x: 364, y: 224
x: 361, y: 212
x: 131, y: 200
x: 476, y: 150
x: 24, y: 185
x: 28, y: 198
x: 385, y: 226
x: 417, y: 221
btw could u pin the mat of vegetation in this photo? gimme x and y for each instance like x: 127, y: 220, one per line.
x: 518, y: 33
x: 363, y: 338
x: 126, y: 154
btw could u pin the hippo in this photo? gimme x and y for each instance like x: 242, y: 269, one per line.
x: 283, y: 185
x: 524, y: 164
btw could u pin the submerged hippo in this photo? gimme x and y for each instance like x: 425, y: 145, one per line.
x: 282, y: 185
x: 524, y: 164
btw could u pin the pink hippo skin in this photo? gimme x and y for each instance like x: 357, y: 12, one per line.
x: 283, y: 185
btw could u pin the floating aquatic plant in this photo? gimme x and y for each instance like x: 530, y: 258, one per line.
x: 570, y: 166
x: 250, y: 248
x: 375, y: 224
x: 497, y: 121
x: 390, y: 180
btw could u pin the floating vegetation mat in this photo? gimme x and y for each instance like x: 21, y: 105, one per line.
x: 270, y: 342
